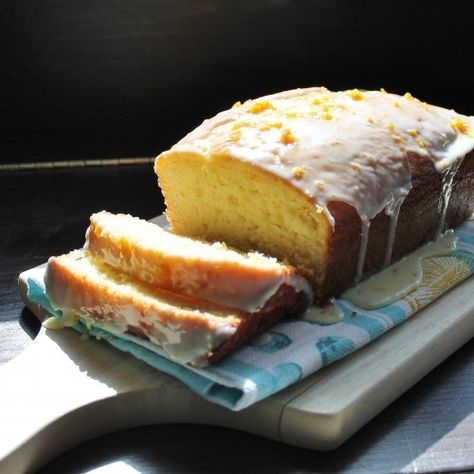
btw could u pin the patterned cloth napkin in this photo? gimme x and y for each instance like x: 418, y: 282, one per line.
x: 294, y: 348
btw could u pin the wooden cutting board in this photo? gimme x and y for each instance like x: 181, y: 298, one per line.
x: 63, y: 390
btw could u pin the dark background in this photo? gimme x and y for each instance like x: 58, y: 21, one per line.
x: 109, y: 78
x: 95, y: 79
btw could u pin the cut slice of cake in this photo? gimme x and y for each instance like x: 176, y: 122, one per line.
x: 189, y: 330
x: 212, y: 272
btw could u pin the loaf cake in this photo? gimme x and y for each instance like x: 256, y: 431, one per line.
x: 339, y: 184
x: 108, y: 285
x: 211, y: 272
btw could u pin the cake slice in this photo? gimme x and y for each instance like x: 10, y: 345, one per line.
x: 212, y: 272
x: 189, y: 330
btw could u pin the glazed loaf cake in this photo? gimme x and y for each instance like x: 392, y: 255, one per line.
x: 121, y: 282
x: 337, y: 183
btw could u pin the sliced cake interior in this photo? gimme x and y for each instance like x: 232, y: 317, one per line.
x: 188, y: 329
x: 207, y: 271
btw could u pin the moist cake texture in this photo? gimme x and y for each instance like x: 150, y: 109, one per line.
x: 212, y: 272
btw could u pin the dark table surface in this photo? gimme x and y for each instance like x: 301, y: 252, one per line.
x: 45, y: 212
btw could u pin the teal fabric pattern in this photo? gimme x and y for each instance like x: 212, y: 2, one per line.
x: 293, y: 349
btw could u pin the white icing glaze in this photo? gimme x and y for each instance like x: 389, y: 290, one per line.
x: 392, y: 211
x: 401, y: 278
x: 262, y: 340
x: 183, y: 340
x: 447, y: 179
x: 253, y: 303
x: 364, y: 240
x: 185, y: 345
x: 351, y: 146
x: 55, y: 323
x: 230, y: 293
x: 327, y: 314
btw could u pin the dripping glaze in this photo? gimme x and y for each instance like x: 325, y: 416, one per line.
x: 350, y: 146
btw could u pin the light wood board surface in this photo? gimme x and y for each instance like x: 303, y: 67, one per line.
x: 63, y: 390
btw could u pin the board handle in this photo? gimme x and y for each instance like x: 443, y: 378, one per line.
x: 63, y: 390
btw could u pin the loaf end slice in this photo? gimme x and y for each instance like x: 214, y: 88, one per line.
x: 189, y: 330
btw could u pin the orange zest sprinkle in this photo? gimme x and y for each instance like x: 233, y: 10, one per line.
x: 355, y: 94
x: 236, y: 135
x: 298, y: 172
x: 287, y: 137
x: 321, y: 99
x: 268, y: 126
x: 319, y: 185
x: 239, y: 125
x: 460, y: 125
x: 261, y: 106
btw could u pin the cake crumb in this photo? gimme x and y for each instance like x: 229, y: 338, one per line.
x: 412, y: 132
x: 237, y: 104
x: 396, y: 104
x: 382, y: 90
x: 421, y: 143
x: 391, y: 126
x: 408, y: 96
x: 370, y: 120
